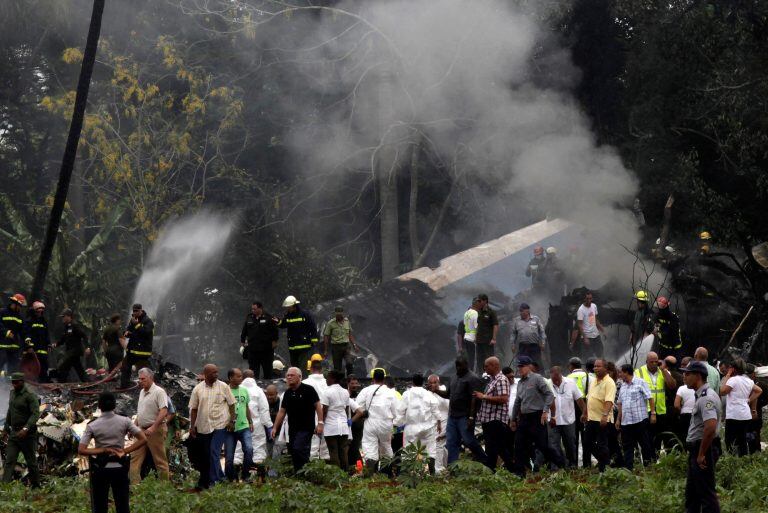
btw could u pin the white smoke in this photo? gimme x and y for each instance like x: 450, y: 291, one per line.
x: 180, y: 257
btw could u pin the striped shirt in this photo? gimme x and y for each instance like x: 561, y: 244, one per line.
x: 633, y: 398
x: 212, y: 404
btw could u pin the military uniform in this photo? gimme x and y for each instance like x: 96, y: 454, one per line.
x: 11, y: 331
x: 260, y: 332
x: 139, y: 350
x: 302, y: 335
x: 700, y: 494
x: 38, y: 337
x: 75, y: 342
x: 23, y: 412
x: 339, y: 333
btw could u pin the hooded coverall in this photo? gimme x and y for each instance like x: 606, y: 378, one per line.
x: 380, y: 403
x: 259, y: 407
x: 418, y: 410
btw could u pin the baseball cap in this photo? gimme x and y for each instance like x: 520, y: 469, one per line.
x: 524, y: 306
x: 524, y: 360
x: 696, y: 366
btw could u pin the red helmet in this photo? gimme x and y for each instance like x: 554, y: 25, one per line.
x: 662, y: 302
x: 538, y: 251
x: 20, y: 299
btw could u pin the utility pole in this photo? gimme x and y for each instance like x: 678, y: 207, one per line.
x: 70, y: 151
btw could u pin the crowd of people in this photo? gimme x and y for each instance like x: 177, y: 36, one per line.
x: 588, y: 411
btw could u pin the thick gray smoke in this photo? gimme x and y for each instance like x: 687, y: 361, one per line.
x: 464, y: 78
x: 180, y: 257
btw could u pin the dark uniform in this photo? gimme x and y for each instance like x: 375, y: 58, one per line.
x: 113, y: 351
x: 38, y: 337
x: 486, y: 320
x: 75, y: 342
x: 535, y: 271
x: 23, y: 412
x: 139, y: 349
x: 669, y: 341
x: 11, y: 336
x: 302, y: 335
x: 700, y: 494
x: 260, y: 332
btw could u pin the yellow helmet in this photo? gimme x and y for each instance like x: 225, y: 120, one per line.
x: 641, y: 295
x: 378, y: 368
x: 705, y: 236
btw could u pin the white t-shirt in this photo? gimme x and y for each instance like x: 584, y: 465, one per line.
x: 565, y: 395
x: 737, y: 404
x: 688, y: 397
x: 588, y: 316
x: 336, y: 418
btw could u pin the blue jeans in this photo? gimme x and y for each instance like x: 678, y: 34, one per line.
x: 218, y: 438
x: 245, y: 437
x: 458, y: 433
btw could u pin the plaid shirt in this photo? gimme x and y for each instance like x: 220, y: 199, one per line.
x: 633, y: 397
x: 489, y: 411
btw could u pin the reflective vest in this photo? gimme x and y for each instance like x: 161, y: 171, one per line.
x: 470, y: 331
x: 580, y: 377
x: 301, y: 328
x: 12, y: 327
x: 657, y: 389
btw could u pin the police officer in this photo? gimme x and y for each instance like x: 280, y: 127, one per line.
x: 139, y: 333
x: 259, y: 338
x: 109, y: 461
x: 703, y: 442
x: 302, y: 331
x: 38, y: 337
x: 338, y: 332
x: 11, y: 331
x: 20, y: 429
x: 75, y: 346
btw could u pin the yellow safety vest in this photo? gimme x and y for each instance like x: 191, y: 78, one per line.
x: 467, y: 319
x: 657, y: 390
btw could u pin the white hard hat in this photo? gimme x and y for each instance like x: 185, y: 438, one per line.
x: 290, y: 301
x: 278, y: 365
x: 551, y: 250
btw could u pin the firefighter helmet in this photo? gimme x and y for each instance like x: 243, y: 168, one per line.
x: 290, y: 301
x: 641, y: 295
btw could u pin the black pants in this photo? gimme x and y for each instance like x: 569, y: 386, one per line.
x: 736, y: 436
x: 496, y: 438
x: 633, y: 435
x: 342, y: 357
x: 71, y: 360
x: 10, y: 359
x: 533, y: 351
x: 299, y: 447
x: 104, y: 479
x: 43, y: 360
x: 354, y: 443
x: 261, y: 361
x: 532, y: 435
x: 114, y: 355
x: 586, y: 456
x: 700, y: 494
x: 299, y: 358
x: 338, y: 449
x: 596, y: 439
x: 27, y: 447
x: 201, y: 459
x: 660, y: 432
x: 125, y: 371
x: 683, y: 422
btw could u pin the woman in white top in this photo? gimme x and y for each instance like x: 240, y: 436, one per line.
x: 336, y: 430
x: 685, y: 398
x: 740, y: 408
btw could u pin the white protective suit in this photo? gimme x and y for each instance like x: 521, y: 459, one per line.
x: 319, y: 448
x: 381, y: 406
x: 418, y: 411
x: 441, y: 454
x: 259, y: 407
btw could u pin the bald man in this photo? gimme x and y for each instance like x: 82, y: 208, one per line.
x: 713, y: 375
x: 659, y: 379
x: 493, y: 415
x: 212, y: 414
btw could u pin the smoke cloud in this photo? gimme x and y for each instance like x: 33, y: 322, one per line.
x: 180, y: 257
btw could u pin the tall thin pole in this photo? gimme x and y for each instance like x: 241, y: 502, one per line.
x: 70, y: 151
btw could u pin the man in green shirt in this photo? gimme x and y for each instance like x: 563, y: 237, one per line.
x: 20, y: 429
x: 338, y: 331
x: 242, y: 431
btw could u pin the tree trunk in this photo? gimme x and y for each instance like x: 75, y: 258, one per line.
x: 70, y: 151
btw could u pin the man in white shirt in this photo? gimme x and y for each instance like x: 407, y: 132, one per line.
x: 262, y: 422
x: 590, y: 343
x: 562, y: 428
x: 150, y: 417
x: 336, y: 408
x: 316, y: 380
x: 378, y: 405
x: 418, y: 411
x: 441, y: 454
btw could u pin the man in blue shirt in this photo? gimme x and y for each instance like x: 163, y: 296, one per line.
x: 633, y: 420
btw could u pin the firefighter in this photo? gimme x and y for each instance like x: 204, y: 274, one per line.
x: 38, y: 337
x: 667, y: 331
x: 11, y: 334
x: 75, y: 346
x: 535, y: 266
x: 642, y: 323
x: 301, y: 330
x: 139, y: 333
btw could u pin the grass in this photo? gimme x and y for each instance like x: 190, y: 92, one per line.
x: 741, y: 486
